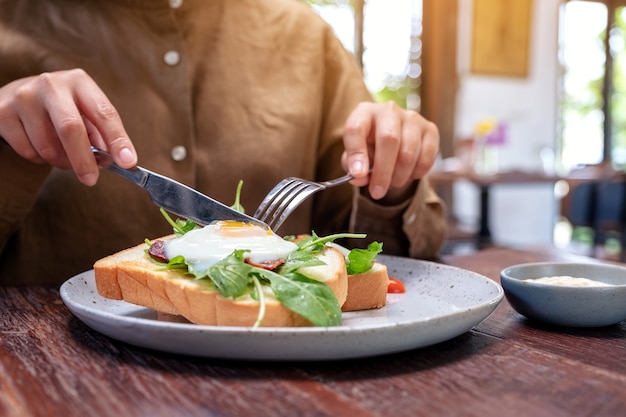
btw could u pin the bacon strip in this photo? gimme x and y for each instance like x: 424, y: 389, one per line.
x: 157, y: 251
x: 269, y: 265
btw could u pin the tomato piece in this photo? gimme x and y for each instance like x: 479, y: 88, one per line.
x: 395, y: 286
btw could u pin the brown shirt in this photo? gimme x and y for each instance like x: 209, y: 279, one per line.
x: 211, y: 92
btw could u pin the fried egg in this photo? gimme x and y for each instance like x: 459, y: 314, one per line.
x: 206, y: 246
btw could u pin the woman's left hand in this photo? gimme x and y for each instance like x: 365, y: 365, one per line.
x: 399, y: 145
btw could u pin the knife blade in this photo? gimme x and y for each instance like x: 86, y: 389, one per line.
x: 174, y: 196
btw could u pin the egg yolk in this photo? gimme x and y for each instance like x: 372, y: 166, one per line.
x: 231, y: 228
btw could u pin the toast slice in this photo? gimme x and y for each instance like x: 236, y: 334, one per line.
x: 367, y: 290
x: 130, y: 275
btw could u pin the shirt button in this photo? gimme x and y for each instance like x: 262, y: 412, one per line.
x: 179, y: 153
x: 175, y: 4
x: 171, y: 58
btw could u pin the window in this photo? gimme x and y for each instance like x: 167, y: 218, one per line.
x: 385, y: 38
x: 592, y: 54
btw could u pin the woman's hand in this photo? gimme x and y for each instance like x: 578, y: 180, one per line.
x: 399, y: 145
x: 55, y: 117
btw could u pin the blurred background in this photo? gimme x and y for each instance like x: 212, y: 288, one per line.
x: 530, y: 100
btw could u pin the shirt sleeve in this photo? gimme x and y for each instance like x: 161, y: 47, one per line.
x: 416, y: 227
x: 17, y: 196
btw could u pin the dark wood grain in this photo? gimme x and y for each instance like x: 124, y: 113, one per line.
x: 51, y: 364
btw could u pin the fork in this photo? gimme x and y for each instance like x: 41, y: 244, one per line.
x: 287, y: 195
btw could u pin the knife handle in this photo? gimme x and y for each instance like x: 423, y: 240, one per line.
x: 136, y: 174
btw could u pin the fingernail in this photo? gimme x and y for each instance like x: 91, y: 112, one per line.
x: 377, y: 192
x: 127, y: 157
x: 89, y: 179
x: 356, y: 167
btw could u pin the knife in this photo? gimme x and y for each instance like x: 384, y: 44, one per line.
x: 175, y: 197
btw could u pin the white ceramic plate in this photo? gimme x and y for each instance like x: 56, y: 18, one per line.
x: 440, y: 303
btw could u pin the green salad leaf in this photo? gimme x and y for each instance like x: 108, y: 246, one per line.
x: 311, y: 299
x: 177, y: 262
x: 237, y: 204
x: 299, y: 259
x: 259, y: 296
x: 315, y: 244
x: 231, y: 276
x: 362, y: 260
x: 180, y: 226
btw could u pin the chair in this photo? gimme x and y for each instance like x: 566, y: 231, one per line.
x: 581, y: 207
x: 597, y: 211
x: 610, y: 214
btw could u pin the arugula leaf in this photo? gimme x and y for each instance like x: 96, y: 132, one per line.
x: 307, y: 297
x: 259, y: 291
x: 177, y: 262
x: 308, y: 249
x: 231, y: 276
x: 316, y: 244
x: 299, y: 259
x: 237, y: 205
x: 180, y: 226
x: 362, y: 260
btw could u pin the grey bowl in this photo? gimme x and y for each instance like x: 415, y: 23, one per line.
x: 567, y: 306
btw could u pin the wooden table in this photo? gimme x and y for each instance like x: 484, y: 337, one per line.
x: 53, y: 365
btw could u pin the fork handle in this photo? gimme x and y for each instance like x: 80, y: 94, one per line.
x: 338, y: 181
x: 341, y: 180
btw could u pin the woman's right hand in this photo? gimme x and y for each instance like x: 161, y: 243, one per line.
x: 55, y: 117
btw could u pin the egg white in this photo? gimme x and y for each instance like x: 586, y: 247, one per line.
x: 204, y: 247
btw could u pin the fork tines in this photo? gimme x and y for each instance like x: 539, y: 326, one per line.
x: 284, y: 198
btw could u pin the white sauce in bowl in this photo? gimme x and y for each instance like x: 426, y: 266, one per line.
x: 567, y: 281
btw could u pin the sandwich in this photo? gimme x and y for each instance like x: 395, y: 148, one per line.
x: 230, y: 273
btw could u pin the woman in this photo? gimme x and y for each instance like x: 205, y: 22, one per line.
x: 205, y: 92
